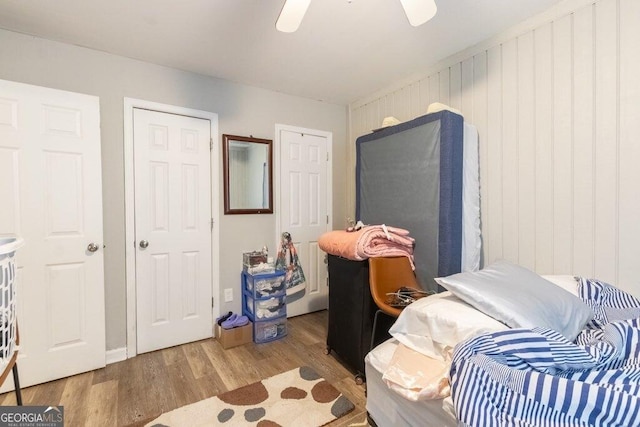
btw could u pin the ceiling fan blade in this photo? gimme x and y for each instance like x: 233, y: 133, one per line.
x: 291, y: 15
x: 419, y: 11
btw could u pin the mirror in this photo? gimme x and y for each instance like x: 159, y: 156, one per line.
x: 247, y: 164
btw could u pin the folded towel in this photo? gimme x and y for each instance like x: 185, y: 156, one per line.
x: 368, y: 242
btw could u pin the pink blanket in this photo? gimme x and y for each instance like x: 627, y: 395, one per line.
x: 369, y: 242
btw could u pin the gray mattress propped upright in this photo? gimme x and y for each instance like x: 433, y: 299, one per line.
x: 410, y: 176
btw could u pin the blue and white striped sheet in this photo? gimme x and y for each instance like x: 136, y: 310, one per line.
x: 536, y: 377
x: 607, y: 302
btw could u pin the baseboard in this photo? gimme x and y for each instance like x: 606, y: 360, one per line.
x: 116, y: 355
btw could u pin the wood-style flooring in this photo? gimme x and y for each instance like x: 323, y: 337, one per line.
x: 139, y: 389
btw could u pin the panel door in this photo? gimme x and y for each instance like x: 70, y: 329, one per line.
x: 304, y: 214
x: 173, y: 229
x: 51, y: 195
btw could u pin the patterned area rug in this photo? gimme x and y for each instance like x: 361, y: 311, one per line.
x: 299, y: 397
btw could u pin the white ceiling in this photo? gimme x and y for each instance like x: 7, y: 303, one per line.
x: 342, y: 51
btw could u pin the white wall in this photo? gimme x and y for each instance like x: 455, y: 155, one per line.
x: 557, y: 105
x: 242, y: 110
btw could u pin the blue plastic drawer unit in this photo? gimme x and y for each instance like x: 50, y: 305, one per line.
x: 263, y: 285
x: 264, y: 302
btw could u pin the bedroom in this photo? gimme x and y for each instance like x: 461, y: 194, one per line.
x: 572, y: 210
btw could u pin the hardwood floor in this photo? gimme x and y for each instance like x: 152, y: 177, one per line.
x: 137, y: 390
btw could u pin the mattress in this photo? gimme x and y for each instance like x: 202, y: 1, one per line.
x: 422, y: 175
x: 386, y: 408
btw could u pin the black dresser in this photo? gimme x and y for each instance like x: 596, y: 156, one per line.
x: 351, y: 312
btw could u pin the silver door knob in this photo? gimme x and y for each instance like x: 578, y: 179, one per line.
x: 144, y: 244
x: 92, y: 247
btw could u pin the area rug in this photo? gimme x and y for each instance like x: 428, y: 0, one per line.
x: 299, y: 397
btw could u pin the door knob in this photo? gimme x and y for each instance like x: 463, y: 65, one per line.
x: 92, y: 247
x: 144, y: 244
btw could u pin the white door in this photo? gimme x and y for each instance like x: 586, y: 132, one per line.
x: 304, y: 208
x: 51, y: 195
x: 173, y: 229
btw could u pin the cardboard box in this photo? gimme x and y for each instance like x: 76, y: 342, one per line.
x: 234, y: 337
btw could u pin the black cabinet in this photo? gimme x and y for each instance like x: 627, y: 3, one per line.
x: 351, y: 312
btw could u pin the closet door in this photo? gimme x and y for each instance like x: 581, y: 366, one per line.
x: 173, y: 229
x: 304, y: 207
x: 51, y: 195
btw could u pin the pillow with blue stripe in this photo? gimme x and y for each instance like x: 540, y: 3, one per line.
x: 520, y: 298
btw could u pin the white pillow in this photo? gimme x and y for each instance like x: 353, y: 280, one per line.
x: 520, y: 298
x: 435, y: 324
x: 565, y: 281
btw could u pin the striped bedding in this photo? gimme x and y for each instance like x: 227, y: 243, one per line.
x: 535, y: 377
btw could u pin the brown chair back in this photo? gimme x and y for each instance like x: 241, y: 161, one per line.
x: 387, y: 275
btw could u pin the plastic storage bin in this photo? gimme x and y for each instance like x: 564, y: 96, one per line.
x: 263, y: 285
x: 269, y: 330
x: 249, y: 259
x: 264, y: 309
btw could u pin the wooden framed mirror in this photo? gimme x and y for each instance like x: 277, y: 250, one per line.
x: 248, y: 175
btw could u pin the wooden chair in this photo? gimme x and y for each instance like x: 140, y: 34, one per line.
x: 387, y: 275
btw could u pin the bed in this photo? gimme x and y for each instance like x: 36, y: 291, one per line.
x: 520, y: 349
x: 433, y: 326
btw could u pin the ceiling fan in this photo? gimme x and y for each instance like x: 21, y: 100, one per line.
x: 418, y: 12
